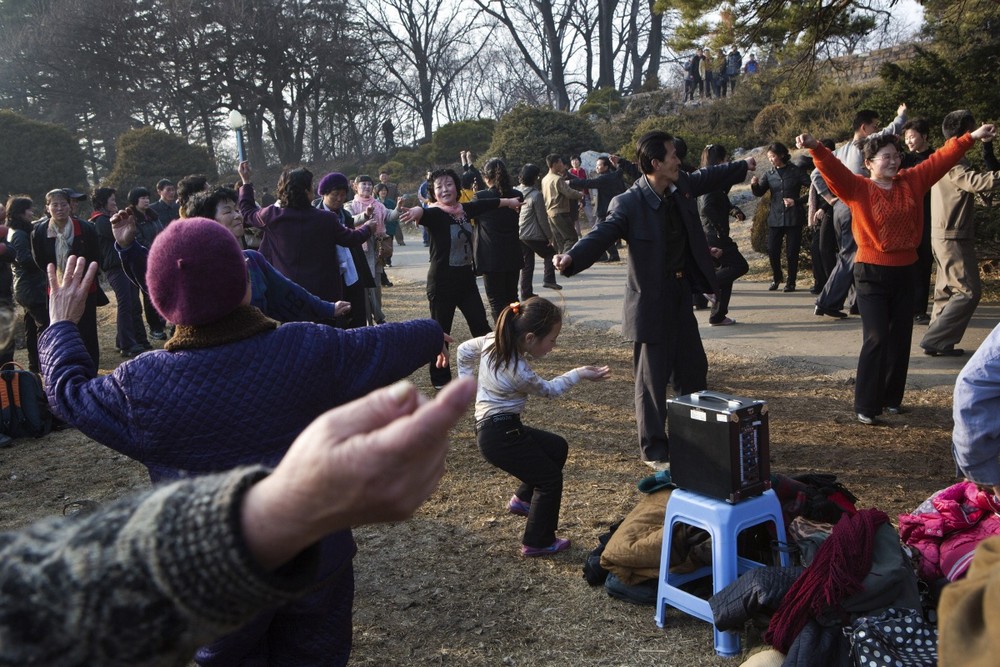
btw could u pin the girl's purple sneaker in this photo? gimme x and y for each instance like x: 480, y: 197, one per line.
x: 517, y: 506
x: 554, y: 548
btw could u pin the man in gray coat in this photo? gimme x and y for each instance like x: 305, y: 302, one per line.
x: 668, y: 261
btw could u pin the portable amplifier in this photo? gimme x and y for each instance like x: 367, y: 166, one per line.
x: 719, y: 445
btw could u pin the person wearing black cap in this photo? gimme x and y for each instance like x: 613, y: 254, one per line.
x: 74, y: 201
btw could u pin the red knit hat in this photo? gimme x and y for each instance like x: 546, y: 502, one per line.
x: 196, y: 272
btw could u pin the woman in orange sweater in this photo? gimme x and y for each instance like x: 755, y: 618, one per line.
x: 887, y: 221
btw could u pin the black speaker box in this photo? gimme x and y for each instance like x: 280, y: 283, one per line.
x: 719, y: 445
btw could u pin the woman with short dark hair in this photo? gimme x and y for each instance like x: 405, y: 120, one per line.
x: 130, y: 332
x: 147, y: 228
x: 786, y: 216
x: 715, y: 210
x: 495, y: 239
x: 451, y: 281
x: 29, y: 280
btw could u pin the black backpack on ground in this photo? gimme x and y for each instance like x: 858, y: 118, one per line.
x: 24, y: 410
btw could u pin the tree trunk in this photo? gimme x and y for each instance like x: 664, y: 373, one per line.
x: 605, y: 39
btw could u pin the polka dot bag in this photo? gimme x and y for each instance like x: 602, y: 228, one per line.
x: 895, y: 638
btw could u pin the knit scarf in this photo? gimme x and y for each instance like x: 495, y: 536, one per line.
x: 841, y: 564
x: 64, y: 244
x: 359, y: 205
x: 242, y: 323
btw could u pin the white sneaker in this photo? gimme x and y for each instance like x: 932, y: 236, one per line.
x: 658, y: 465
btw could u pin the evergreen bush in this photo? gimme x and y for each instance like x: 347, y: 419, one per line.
x: 146, y: 155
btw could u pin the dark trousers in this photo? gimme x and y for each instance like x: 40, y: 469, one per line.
x: 679, y: 359
x: 922, y: 272
x: 36, y: 318
x: 501, y: 290
x: 792, y: 237
x: 355, y: 295
x: 828, y: 248
x: 720, y: 85
x: 731, y: 266
x: 445, y: 294
x: 129, y: 329
x: 838, y: 286
x: 315, y: 629
x: 815, y: 254
x: 88, y: 330
x: 885, y: 300
x: 536, y: 458
x: 528, y: 251
x: 153, y: 317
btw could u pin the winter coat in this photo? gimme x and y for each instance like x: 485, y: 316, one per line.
x: 946, y: 528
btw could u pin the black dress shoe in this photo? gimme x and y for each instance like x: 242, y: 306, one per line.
x: 773, y: 286
x: 789, y: 288
x: 554, y: 286
x: 895, y: 410
x: 815, y: 290
x: 922, y: 319
x: 948, y: 352
x: 829, y: 312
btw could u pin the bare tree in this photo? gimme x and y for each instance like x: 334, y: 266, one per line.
x: 491, y: 85
x: 541, y: 32
x: 422, y: 46
x: 640, y: 39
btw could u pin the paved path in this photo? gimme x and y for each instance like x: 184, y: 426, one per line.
x: 772, y: 326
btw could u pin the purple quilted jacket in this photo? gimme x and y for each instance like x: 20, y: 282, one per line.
x: 211, y: 409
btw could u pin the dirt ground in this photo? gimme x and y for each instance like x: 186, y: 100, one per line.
x: 449, y: 586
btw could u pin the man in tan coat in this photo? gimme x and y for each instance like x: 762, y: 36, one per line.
x: 559, y: 200
x: 953, y: 241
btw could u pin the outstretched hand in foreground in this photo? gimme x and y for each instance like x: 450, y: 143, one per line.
x: 373, y: 460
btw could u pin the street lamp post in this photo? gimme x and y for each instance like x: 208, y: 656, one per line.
x: 236, y: 122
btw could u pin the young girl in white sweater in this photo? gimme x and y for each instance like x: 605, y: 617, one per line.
x: 535, y: 457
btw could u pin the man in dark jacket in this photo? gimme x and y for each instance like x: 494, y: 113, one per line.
x: 166, y: 207
x: 668, y: 260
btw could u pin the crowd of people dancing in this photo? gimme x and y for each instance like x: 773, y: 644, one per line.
x: 279, y: 307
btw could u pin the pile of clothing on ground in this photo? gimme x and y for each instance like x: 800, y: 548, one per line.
x: 857, y: 594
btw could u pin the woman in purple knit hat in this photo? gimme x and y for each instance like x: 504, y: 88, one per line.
x: 232, y: 388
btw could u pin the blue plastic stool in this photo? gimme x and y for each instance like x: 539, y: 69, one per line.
x: 724, y: 522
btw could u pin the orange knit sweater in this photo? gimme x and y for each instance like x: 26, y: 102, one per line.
x: 888, y: 223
